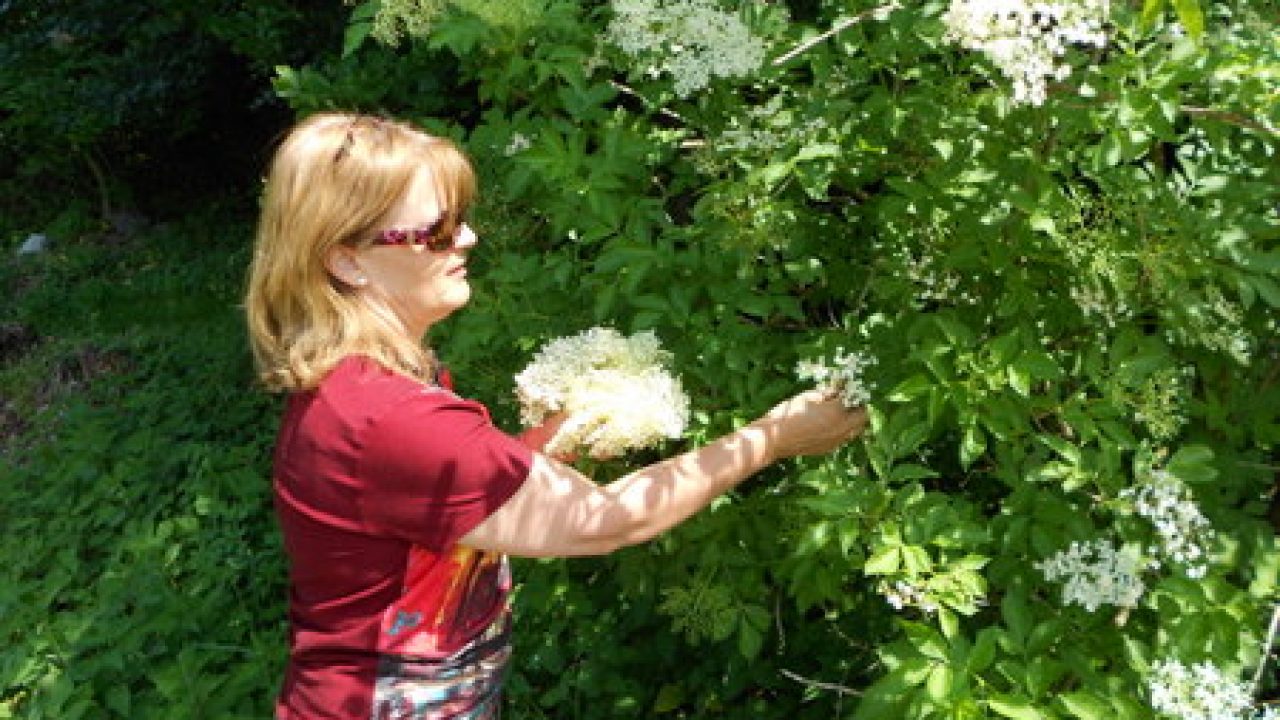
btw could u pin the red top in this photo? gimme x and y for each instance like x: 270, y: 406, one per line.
x: 376, y: 478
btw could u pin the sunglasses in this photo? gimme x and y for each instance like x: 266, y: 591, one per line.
x: 439, y: 236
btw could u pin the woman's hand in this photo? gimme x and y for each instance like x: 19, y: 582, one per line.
x: 536, y: 438
x: 811, y: 423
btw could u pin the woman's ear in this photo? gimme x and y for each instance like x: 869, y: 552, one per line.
x: 341, y: 263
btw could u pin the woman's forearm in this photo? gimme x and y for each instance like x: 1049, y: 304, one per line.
x: 662, y: 495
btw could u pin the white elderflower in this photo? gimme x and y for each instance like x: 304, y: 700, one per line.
x: 691, y: 40
x: 614, y: 390
x: 1183, y: 529
x: 519, y: 143
x: 902, y: 594
x: 843, y: 375
x: 1200, y: 692
x: 1025, y: 39
x: 1096, y: 573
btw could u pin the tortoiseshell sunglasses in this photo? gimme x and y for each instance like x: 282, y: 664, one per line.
x: 439, y: 236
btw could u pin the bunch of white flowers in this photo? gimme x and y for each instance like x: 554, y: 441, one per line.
x: 614, y: 390
x: 842, y: 375
x: 1183, y: 529
x: 519, y: 143
x: 1200, y: 692
x: 396, y: 18
x: 1097, y: 573
x: 1026, y: 38
x: 902, y: 594
x: 692, y: 40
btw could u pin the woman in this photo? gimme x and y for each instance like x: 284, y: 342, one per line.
x: 398, y: 500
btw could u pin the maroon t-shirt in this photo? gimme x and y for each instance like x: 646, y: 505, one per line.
x: 376, y: 478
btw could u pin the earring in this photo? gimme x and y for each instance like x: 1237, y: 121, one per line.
x: 362, y: 281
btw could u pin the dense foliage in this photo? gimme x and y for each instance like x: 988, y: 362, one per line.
x: 142, y: 576
x: 135, y: 105
x: 1059, y: 510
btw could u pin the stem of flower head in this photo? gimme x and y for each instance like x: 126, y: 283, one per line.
x: 877, y: 13
x: 1266, y: 647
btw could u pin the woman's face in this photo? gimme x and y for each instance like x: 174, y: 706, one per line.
x: 419, y: 285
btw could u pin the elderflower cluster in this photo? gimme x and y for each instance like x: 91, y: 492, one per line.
x: 1199, y: 692
x: 1217, y: 324
x: 518, y: 144
x: 691, y: 40
x: 1097, y: 304
x: 1096, y: 573
x: 1025, y: 39
x: 842, y: 375
x: 902, y: 594
x: 1158, y: 402
x: 615, y: 391
x: 703, y: 610
x: 397, y: 18
x: 1183, y: 529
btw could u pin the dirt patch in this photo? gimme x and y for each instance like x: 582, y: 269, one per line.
x: 50, y: 375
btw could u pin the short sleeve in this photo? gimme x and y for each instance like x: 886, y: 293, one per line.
x: 434, y: 466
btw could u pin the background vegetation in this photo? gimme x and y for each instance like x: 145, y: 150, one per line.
x: 1070, y: 304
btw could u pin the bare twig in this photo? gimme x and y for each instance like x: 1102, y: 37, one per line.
x: 836, y: 29
x: 628, y: 90
x: 820, y: 685
x: 1232, y: 119
x: 1266, y: 647
x: 777, y: 618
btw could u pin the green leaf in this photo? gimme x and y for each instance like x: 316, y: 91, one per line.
x: 1150, y: 11
x: 1019, y: 380
x: 909, y: 471
x: 984, y: 650
x: 885, y: 561
x: 1016, y: 615
x: 1192, y: 464
x: 1017, y: 707
x: 916, y: 560
x: 941, y: 684
x: 972, y: 446
x: 359, y: 28
x: 1191, y: 17
x: 1068, y: 451
x: 750, y: 640
x: 670, y: 697
x: 910, y: 389
x: 1039, y: 365
x: 927, y: 640
x: 949, y: 623
x: 1267, y: 288
x: 1086, y: 705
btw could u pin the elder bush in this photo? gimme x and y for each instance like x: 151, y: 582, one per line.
x: 1063, y: 259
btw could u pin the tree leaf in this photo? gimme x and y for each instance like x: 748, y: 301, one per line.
x: 1191, y: 17
x: 1150, y: 11
x: 1086, y: 705
x: 1017, y: 707
x: 885, y: 561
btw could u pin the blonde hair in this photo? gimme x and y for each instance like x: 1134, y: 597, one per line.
x: 333, y: 180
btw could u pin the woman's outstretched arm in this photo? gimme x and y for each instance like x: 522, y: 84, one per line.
x: 559, y: 512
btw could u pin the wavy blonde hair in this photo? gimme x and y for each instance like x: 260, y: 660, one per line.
x: 333, y: 181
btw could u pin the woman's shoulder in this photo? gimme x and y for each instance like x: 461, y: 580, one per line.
x: 372, y: 389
